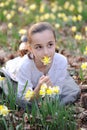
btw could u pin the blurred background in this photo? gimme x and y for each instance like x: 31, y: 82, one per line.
x: 69, y: 18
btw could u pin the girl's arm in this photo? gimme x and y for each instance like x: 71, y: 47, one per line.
x: 70, y: 91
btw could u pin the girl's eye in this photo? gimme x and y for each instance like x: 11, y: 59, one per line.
x: 50, y: 45
x: 38, y: 47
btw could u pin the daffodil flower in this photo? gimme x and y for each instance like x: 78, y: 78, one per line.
x: 42, y: 92
x: 29, y: 94
x: 52, y: 90
x: 4, y: 110
x: 43, y: 86
x: 85, y: 52
x: 22, y: 31
x: 1, y: 78
x: 84, y: 66
x: 46, y: 60
x: 49, y: 91
x: 56, y: 89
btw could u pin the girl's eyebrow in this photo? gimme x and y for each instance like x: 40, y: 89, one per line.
x: 51, y: 41
x: 37, y: 44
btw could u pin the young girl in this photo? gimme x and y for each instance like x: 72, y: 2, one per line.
x: 36, y: 71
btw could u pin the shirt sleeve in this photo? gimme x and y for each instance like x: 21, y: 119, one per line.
x: 24, y: 80
x: 11, y: 67
x: 70, y: 90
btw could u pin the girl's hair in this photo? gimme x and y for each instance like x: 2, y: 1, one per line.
x: 37, y: 28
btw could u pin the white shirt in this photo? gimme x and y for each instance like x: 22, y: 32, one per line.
x: 29, y: 72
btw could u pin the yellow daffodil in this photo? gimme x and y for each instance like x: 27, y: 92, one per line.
x: 85, y: 52
x: 52, y: 16
x: 57, y: 25
x: 7, y: 3
x: 10, y: 25
x: 4, y: 110
x: 46, y: 16
x: 14, y: 6
x: 65, y: 18
x: 8, y: 16
x: 78, y: 37
x: 5, y: 12
x: 86, y: 28
x: 49, y: 91
x: 46, y: 60
x: 74, y: 18
x: 12, y: 13
x: 29, y: 94
x: 56, y: 89
x: 20, y: 9
x: 43, y: 86
x: 86, y: 48
x: 73, y: 28
x: 42, y: 92
x: 32, y: 7
x: 22, y: 31
x: 42, y: 8
x: 79, y: 17
x: 61, y: 15
x: 1, y: 78
x: 80, y: 8
x: 54, y: 9
x: 52, y: 90
x: 2, y: 4
x: 84, y: 66
x: 66, y: 5
x: 71, y: 7
x: 60, y: 8
x: 41, y: 18
x: 43, y: 89
x: 79, y: 3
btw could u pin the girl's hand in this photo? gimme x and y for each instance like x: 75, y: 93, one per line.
x: 45, y: 79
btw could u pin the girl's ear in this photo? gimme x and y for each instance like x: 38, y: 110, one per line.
x: 30, y: 48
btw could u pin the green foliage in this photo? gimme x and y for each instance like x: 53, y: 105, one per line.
x: 3, y: 39
x: 81, y: 75
x: 12, y: 95
x: 3, y: 123
x: 48, y: 114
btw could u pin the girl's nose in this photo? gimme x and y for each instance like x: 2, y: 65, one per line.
x: 45, y: 51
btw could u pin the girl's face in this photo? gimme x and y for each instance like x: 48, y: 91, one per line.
x: 43, y: 44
